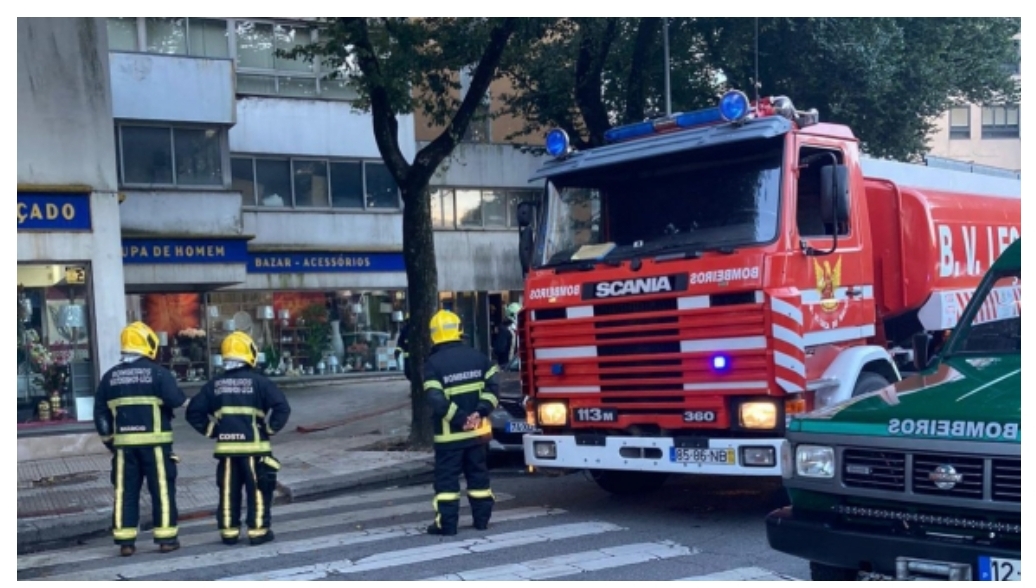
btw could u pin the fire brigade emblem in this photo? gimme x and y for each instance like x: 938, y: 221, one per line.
x: 830, y: 311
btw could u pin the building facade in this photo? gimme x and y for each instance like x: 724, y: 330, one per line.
x: 984, y: 135
x: 224, y: 188
x: 70, y: 278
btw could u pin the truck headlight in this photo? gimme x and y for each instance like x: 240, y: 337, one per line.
x: 815, y: 461
x: 758, y: 415
x: 553, y: 414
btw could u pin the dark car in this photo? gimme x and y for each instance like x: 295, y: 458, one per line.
x: 508, y: 419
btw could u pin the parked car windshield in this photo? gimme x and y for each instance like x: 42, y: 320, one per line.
x: 997, y: 327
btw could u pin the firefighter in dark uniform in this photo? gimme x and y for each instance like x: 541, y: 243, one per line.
x: 133, y: 413
x: 461, y: 385
x: 246, y: 409
x: 402, y: 346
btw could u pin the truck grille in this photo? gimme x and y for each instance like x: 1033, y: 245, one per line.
x: 638, y: 362
x: 889, y: 471
x: 880, y: 470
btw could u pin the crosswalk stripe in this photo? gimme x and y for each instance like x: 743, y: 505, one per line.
x: 575, y: 563
x: 195, y: 539
x: 436, y: 552
x: 232, y: 555
x: 753, y: 574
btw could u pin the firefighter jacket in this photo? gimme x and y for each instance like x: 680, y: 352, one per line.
x: 245, y: 407
x: 134, y: 404
x: 460, y: 381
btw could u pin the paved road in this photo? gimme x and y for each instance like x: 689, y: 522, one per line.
x: 564, y: 528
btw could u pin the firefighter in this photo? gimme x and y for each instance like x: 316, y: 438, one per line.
x: 461, y: 385
x: 402, y: 346
x: 241, y: 409
x: 133, y: 413
x: 506, y: 347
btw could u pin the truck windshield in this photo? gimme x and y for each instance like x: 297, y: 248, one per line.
x: 997, y: 327
x: 727, y: 195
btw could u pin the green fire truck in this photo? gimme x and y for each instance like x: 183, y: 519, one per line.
x: 922, y: 479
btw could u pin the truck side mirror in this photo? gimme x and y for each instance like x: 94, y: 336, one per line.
x: 524, y: 214
x: 920, y: 345
x: 834, y: 193
x: 525, y: 248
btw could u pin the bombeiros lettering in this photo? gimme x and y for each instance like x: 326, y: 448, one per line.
x: 554, y: 292
x: 953, y: 429
x: 735, y: 274
x: 633, y: 287
x: 469, y: 375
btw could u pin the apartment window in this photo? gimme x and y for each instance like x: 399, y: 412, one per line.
x: 314, y: 183
x: 960, y: 122
x: 1000, y: 122
x: 442, y: 209
x: 166, y: 156
x: 261, y: 71
x: 122, y: 34
x: 200, y: 37
x: 467, y: 209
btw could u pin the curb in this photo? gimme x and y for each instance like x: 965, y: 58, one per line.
x: 40, y: 533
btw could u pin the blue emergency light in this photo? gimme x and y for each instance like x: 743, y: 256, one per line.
x: 734, y: 106
x: 557, y: 143
x: 720, y: 363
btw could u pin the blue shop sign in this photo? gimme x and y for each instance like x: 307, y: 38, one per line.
x: 326, y: 262
x: 187, y: 251
x: 39, y: 211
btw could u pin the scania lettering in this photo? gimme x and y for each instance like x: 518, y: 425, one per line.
x: 922, y: 480
x: 707, y: 275
x: 628, y: 287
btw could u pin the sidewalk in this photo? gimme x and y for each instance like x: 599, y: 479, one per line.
x: 331, y: 444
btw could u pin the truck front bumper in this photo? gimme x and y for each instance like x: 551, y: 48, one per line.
x: 820, y: 542
x: 744, y: 457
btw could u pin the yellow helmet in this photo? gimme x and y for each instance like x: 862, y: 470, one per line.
x: 239, y: 346
x: 140, y: 339
x: 444, y: 327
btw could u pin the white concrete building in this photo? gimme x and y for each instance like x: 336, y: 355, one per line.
x: 252, y: 197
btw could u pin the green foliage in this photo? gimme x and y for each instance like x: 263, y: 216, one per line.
x: 886, y: 78
x: 318, y: 331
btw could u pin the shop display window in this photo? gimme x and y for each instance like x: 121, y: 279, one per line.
x: 55, y: 347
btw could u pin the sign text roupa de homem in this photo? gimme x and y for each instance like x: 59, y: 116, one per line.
x: 292, y: 262
x: 187, y: 251
x: 53, y: 212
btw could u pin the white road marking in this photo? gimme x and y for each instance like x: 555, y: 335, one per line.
x: 237, y: 554
x: 575, y: 563
x: 753, y: 574
x: 390, y: 559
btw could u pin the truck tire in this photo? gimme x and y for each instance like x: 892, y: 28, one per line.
x: 869, y: 382
x: 628, y: 483
x: 819, y: 572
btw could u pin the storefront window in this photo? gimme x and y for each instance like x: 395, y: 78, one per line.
x: 55, y: 350
x: 182, y: 338
x: 301, y: 333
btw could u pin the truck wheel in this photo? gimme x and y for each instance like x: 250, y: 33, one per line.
x: 819, y: 572
x: 869, y: 382
x: 628, y: 483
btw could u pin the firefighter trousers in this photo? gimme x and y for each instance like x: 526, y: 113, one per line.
x: 131, y: 466
x: 449, y: 465
x: 256, y: 477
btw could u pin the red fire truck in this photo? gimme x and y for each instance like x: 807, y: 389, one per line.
x: 699, y: 279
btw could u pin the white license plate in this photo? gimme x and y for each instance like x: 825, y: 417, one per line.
x: 519, y: 427
x: 709, y: 456
x: 997, y: 569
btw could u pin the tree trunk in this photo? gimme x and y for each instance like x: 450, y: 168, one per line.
x: 423, y: 294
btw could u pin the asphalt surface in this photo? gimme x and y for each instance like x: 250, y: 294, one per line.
x: 543, y: 527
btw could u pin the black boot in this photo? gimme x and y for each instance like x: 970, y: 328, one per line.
x: 261, y: 538
x: 434, y: 529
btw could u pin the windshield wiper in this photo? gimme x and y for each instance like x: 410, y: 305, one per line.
x: 583, y: 265
x: 691, y: 251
